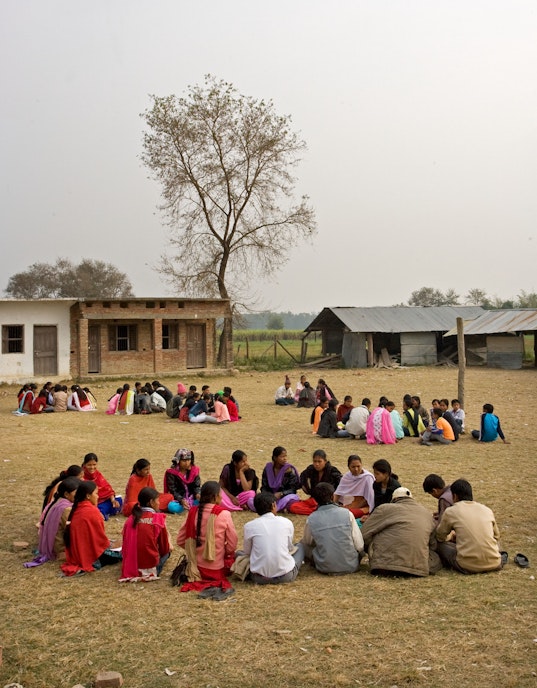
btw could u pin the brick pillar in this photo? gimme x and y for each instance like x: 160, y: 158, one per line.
x: 157, y: 345
x: 82, y: 347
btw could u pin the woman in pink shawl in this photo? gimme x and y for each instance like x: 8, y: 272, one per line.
x: 379, y: 428
x: 113, y: 402
x: 355, y: 489
x: 53, y: 521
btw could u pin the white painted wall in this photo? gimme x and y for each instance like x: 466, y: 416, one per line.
x: 19, y: 368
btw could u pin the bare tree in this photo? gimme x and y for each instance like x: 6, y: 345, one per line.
x: 224, y: 163
x: 89, y: 279
x: 477, y: 297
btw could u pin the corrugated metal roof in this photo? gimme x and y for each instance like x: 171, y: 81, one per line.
x: 394, y: 318
x: 495, y: 322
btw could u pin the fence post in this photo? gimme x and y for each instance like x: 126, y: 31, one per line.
x: 275, y: 347
x: 247, y: 349
x: 462, y: 359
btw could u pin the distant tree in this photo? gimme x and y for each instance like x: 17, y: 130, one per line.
x: 526, y: 299
x: 477, y: 297
x: 451, y: 298
x: 275, y: 322
x: 89, y: 279
x: 224, y: 163
x: 429, y: 296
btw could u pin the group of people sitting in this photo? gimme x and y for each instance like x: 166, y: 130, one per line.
x: 349, y: 514
x: 385, y: 425
x: 304, y: 395
x: 53, y: 398
x: 189, y: 406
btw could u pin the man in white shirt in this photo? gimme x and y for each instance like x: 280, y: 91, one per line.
x: 356, y: 425
x: 284, y: 395
x: 268, y: 540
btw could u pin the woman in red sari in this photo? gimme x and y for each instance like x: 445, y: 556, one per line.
x: 209, y: 538
x: 109, y: 504
x: 87, y: 548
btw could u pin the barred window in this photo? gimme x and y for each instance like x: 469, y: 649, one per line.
x: 122, y: 337
x: 170, y: 338
x: 12, y: 339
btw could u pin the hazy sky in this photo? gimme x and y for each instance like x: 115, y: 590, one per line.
x: 420, y: 119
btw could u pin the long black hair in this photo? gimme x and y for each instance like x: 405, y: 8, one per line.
x: 145, y: 497
x: 209, y: 491
x: 67, y: 485
x: 83, y: 491
x: 73, y: 471
x: 139, y: 466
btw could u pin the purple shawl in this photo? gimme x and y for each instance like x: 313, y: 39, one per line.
x: 275, y: 481
x: 48, y: 532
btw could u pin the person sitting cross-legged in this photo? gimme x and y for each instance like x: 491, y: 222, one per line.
x: 399, y: 538
x: 475, y: 549
x: 268, y: 540
x: 331, y: 537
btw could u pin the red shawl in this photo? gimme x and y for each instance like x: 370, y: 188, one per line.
x: 104, y: 488
x: 233, y: 411
x: 130, y: 568
x: 87, y: 539
x: 135, y: 484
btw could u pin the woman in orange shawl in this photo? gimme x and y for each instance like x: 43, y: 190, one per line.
x: 87, y: 548
x: 210, y: 540
x: 141, y: 477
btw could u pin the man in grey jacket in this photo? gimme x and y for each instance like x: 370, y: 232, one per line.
x: 399, y: 538
x: 331, y: 537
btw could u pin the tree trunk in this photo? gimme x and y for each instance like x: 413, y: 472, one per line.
x: 225, y: 345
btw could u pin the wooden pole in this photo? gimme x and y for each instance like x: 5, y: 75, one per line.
x: 462, y: 359
x: 370, y: 350
x: 247, y: 349
x: 275, y: 348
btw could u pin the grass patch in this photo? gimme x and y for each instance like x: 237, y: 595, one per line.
x: 447, y: 630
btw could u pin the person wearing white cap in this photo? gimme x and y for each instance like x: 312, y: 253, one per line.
x: 399, y: 538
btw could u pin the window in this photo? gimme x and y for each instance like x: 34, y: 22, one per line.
x: 12, y: 339
x: 122, y: 337
x: 169, y: 335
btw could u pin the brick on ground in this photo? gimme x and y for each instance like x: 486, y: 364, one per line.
x: 108, y: 679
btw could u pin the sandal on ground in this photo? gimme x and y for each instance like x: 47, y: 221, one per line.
x: 208, y: 593
x: 222, y: 595
x: 504, y: 557
x: 522, y: 561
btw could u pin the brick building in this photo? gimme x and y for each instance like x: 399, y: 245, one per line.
x: 79, y: 338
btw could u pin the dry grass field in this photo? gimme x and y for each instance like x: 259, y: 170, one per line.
x: 448, y: 630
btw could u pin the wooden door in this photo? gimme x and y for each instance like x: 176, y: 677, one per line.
x: 45, y: 350
x: 195, y: 346
x: 94, y: 349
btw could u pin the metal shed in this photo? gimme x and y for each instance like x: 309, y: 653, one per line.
x: 496, y: 338
x: 412, y: 332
